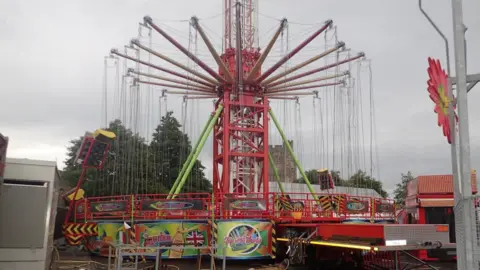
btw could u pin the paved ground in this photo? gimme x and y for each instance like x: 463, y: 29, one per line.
x: 97, y: 263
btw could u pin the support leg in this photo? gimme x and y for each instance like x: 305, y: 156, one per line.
x: 396, y: 261
x: 157, y: 259
x: 471, y: 85
x: 290, y: 150
x: 189, y: 159
x: 198, y: 150
x: 422, y: 263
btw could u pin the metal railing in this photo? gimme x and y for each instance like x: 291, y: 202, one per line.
x: 285, y: 207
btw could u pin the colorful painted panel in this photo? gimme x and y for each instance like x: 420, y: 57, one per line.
x: 107, y: 232
x: 384, y: 208
x: 246, y: 239
x: 174, y: 234
x: 184, y: 204
x: 356, y: 206
x: 245, y: 204
x: 162, y: 233
x: 102, y: 207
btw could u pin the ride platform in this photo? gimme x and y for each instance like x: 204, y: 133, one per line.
x: 246, y: 225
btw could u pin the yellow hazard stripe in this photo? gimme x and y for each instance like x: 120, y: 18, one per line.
x: 274, y: 241
x: 325, y: 203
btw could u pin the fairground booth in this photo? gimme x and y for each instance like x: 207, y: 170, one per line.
x: 430, y: 200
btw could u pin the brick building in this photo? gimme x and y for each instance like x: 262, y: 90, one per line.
x: 284, y: 163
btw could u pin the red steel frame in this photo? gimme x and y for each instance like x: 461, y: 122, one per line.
x: 240, y: 162
x: 85, y: 167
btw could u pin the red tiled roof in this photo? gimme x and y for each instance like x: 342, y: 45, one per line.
x: 428, y: 184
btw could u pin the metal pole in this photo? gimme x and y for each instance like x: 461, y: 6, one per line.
x: 447, y: 50
x: 290, y: 150
x: 238, y: 50
x: 189, y: 159
x: 465, y: 256
x: 198, y: 150
x: 109, y: 256
x: 157, y: 259
x: 457, y: 181
x: 395, y: 260
x: 224, y: 263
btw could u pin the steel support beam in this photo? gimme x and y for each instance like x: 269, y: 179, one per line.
x: 175, y: 86
x: 465, y: 252
x: 200, y: 97
x: 186, y: 83
x: 313, y: 71
x: 173, y: 62
x: 197, y: 151
x: 238, y: 50
x: 280, y: 90
x: 220, y: 63
x: 290, y: 150
x: 189, y: 158
x: 346, y: 73
x: 265, y: 53
x: 287, y: 57
x: 304, y: 64
x: 116, y: 52
x: 470, y: 78
x: 471, y: 85
x: 148, y: 20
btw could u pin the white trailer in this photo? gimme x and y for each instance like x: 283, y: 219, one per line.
x: 27, y: 214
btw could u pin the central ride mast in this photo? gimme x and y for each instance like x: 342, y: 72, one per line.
x: 241, y: 133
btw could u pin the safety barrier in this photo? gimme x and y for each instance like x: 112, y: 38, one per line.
x: 282, y: 207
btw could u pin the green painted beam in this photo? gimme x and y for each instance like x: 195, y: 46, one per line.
x: 290, y: 150
x: 275, y: 173
x: 198, y: 150
x: 189, y: 159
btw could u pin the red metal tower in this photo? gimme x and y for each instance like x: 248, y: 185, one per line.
x: 241, y: 133
x: 240, y: 162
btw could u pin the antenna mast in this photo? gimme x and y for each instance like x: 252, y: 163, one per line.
x: 249, y: 24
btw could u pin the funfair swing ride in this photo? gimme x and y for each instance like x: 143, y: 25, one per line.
x: 244, y: 217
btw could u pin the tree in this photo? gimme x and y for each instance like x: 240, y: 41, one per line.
x: 400, y: 192
x: 312, y: 176
x: 134, y: 167
x: 170, y: 148
x: 125, y: 170
x: 361, y: 180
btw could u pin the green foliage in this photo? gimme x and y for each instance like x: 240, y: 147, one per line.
x: 400, y: 192
x: 360, y: 180
x: 135, y: 167
x: 312, y: 176
x: 169, y: 141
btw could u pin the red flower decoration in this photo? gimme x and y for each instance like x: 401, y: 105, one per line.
x: 438, y: 89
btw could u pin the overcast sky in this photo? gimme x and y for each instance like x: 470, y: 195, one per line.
x: 53, y: 52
